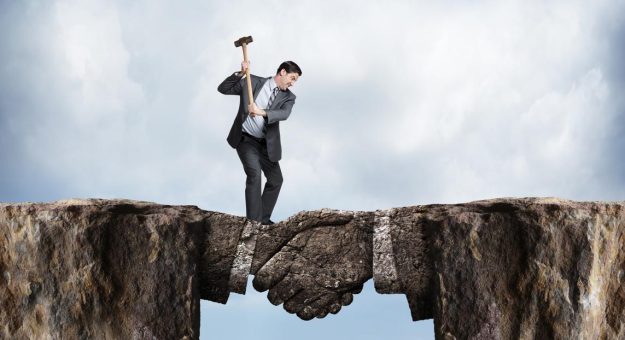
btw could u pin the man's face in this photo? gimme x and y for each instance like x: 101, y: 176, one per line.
x: 285, y: 80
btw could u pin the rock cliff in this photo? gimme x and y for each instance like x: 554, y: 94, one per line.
x: 497, y: 269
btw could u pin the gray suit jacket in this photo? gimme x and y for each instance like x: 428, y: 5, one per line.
x: 280, y: 110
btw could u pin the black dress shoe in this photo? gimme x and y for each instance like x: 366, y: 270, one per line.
x: 268, y: 222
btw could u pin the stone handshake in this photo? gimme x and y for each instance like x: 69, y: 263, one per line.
x: 315, y: 268
x: 315, y: 262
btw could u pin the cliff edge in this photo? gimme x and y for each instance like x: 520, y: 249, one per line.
x: 504, y: 268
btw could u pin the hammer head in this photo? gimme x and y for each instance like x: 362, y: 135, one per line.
x: 244, y: 40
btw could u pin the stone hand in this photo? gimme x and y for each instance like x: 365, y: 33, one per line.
x: 317, y: 270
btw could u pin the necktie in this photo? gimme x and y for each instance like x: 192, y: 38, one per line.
x: 273, y: 96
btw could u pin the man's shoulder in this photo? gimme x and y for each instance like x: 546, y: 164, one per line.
x: 257, y: 78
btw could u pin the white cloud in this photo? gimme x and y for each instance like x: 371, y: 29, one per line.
x: 399, y: 104
x: 94, y: 61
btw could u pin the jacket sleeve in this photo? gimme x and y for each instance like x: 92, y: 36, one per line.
x: 282, y: 113
x: 231, y: 85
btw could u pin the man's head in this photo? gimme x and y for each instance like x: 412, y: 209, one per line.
x: 287, y: 74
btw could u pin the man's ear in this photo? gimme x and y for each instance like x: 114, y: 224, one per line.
x: 283, y: 72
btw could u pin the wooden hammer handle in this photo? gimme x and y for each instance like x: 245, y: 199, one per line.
x: 247, y: 75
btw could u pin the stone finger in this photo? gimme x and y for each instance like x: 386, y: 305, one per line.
x: 298, y: 301
x: 274, y: 271
x: 284, y: 290
x: 346, y: 299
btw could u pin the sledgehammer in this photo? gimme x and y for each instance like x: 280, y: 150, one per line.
x: 243, y: 42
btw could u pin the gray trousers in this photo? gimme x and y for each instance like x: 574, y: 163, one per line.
x: 254, y: 157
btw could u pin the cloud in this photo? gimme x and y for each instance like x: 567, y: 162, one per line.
x: 399, y: 104
x: 443, y: 120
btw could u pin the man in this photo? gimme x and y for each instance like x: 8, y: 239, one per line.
x: 255, y: 133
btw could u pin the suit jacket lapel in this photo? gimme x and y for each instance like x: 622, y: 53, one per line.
x: 259, y: 86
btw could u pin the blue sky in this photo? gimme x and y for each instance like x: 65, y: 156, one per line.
x: 399, y: 104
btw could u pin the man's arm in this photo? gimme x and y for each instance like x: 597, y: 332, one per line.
x: 232, y: 85
x: 282, y: 113
x: 273, y: 116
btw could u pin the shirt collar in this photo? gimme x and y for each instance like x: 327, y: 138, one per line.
x: 272, y: 84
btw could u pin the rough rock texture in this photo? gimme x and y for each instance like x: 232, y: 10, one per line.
x: 498, y: 269
x: 315, y: 261
x: 529, y: 269
x: 402, y: 263
x: 111, y: 269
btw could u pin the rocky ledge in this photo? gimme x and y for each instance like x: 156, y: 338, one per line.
x: 497, y: 269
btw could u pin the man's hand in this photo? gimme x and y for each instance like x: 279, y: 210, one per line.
x: 244, y: 66
x: 318, y: 269
x: 255, y: 110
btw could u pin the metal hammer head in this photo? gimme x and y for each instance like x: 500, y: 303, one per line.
x: 244, y: 40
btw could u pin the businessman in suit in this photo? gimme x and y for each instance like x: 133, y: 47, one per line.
x: 255, y: 133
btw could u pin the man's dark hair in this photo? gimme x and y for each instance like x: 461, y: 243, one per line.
x: 289, y: 67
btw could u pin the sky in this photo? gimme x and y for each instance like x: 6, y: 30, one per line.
x: 400, y: 103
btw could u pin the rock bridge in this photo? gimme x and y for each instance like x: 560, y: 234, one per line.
x: 496, y: 269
